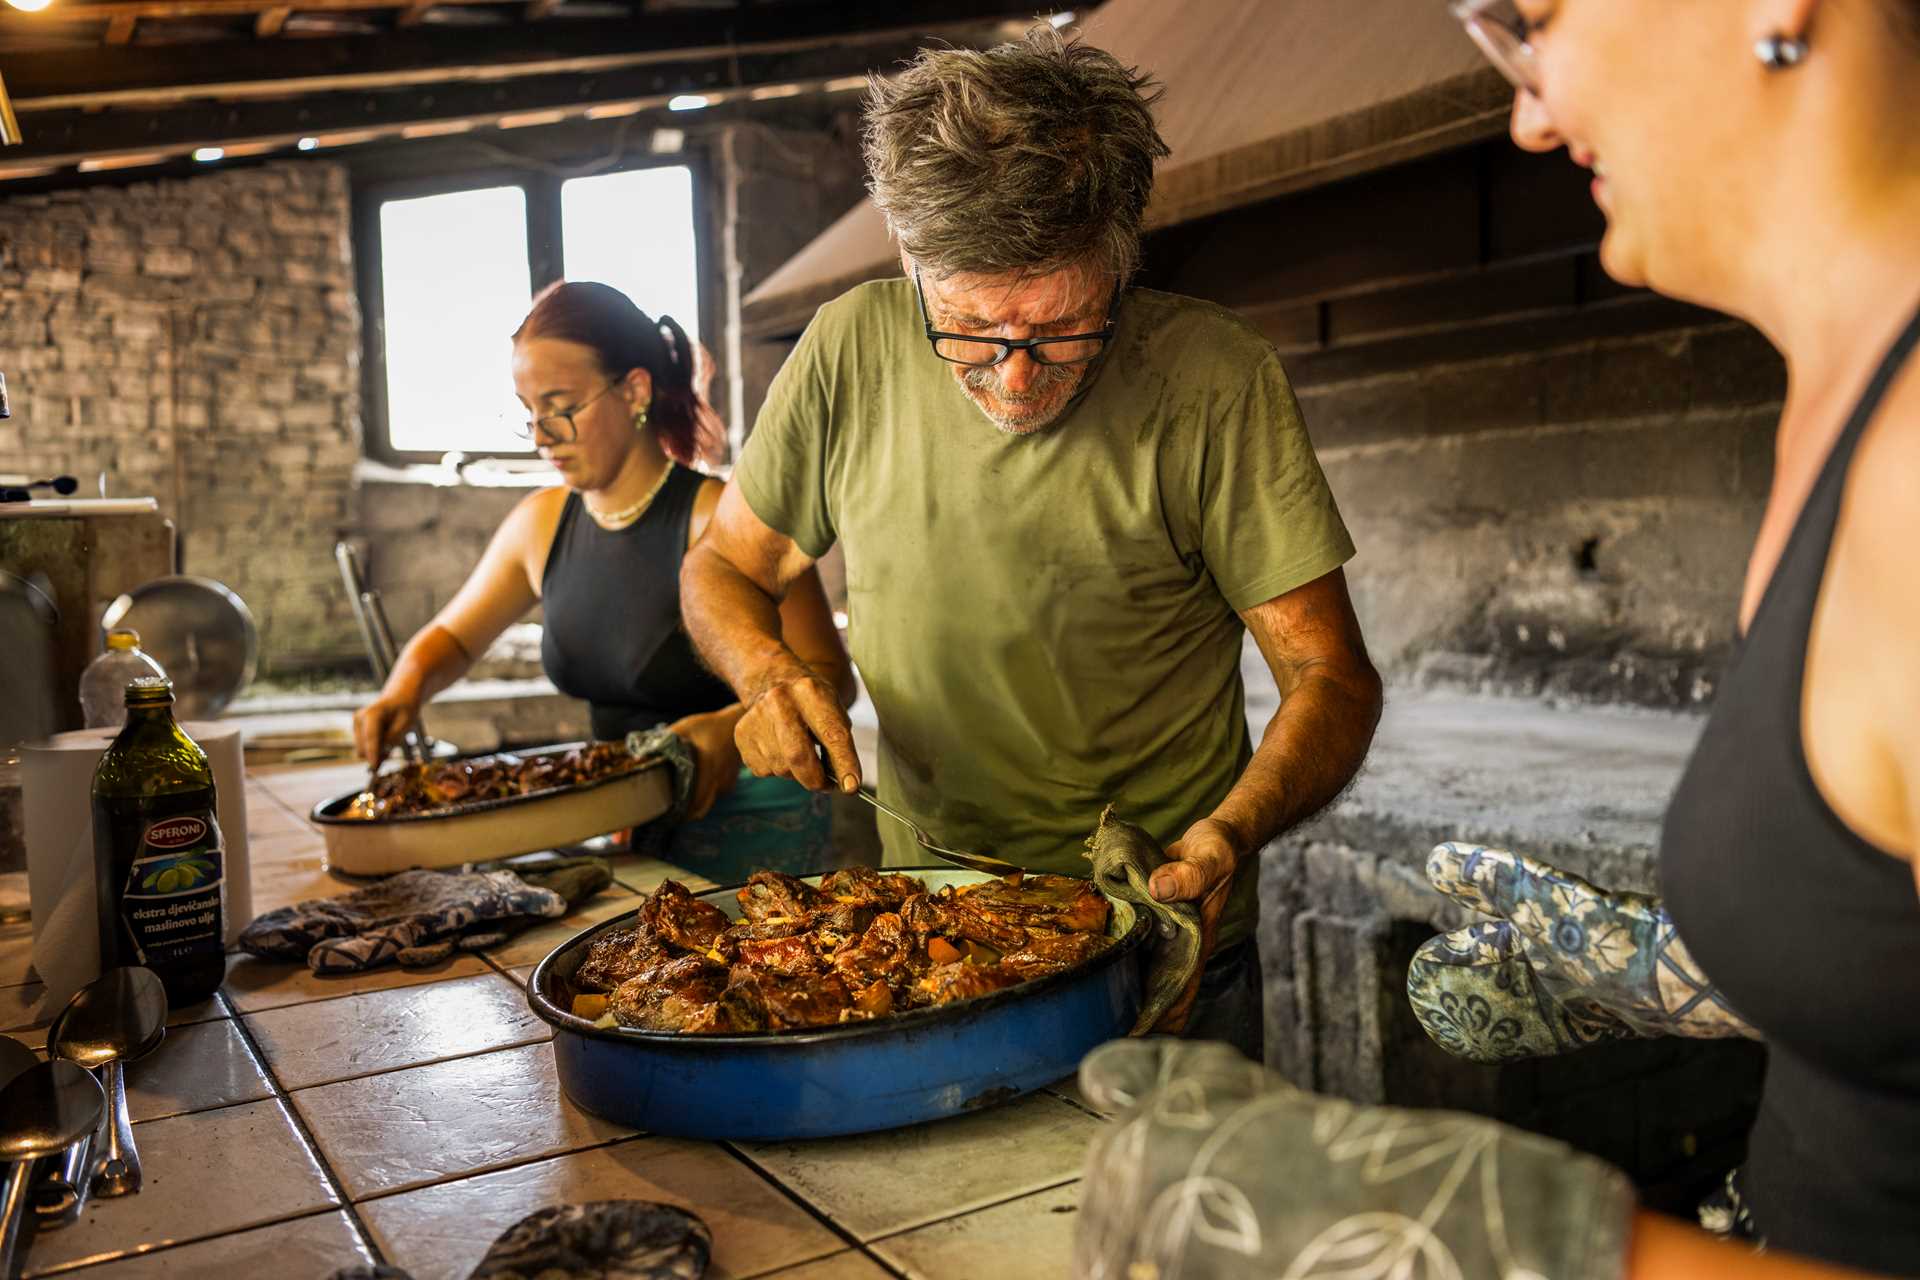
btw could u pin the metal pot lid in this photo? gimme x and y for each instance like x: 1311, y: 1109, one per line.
x: 200, y: 632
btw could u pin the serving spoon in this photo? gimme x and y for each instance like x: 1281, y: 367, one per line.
x: 46, y: 1108
x: 971, y: 861
x: 118, y: 1017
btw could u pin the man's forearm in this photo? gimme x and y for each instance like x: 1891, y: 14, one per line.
x: 733, y: 622
x: 1312, y: 748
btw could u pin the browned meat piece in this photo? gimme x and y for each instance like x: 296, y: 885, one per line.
x: 666, y: 996
x: 789, y: 956
x: 875, y: 1000
x: 1046, y: 953
x: 746, y: 931
x: 841, y: 923
x: 806, y: 1000
x: 1059, y: 904
x: 679, y: 918
x: 957, y: 917
x: 951, y: 982
x: 770, y: 895
x: 868, y: 886
x: 617, y: 955
x: 885, y: 953
x: 738, y: 1008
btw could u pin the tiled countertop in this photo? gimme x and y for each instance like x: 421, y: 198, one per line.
x: 296, y: 1124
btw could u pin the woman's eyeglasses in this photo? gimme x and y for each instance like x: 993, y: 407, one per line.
x: 1496, y: 26
x: 558, y: 427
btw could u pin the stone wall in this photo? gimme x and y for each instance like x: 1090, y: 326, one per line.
x: 1553, y: 481
x: 199, y: 340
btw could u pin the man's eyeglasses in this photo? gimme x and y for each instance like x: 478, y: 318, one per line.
x: 1497, y: 27
x: 558, y: 427
x: 982, y: 353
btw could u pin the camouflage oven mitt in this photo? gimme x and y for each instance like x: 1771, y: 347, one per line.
x: 600, y: 1240
x: 1214, y: 1168
x: 411, y: 919
x: 1562, y: 964
x: 1123, y: 858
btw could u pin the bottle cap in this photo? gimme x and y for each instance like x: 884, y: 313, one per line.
x: 148, y: 690
x: 122, y: 638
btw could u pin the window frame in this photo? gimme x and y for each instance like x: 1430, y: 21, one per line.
x: 546, y: 252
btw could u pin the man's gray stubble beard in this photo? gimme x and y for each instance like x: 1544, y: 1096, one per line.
x: 1052, y: 377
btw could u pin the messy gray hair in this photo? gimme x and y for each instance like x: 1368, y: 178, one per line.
x: 1028, y: 157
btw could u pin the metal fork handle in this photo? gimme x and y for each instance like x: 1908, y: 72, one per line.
x: 971, y: 861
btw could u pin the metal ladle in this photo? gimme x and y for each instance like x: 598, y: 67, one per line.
x: 118, y: 1017
x: 959, y: 858
x: 43, y: 1110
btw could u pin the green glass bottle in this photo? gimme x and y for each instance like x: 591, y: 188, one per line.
x: 159, y: 862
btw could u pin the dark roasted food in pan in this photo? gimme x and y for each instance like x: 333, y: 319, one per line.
x: 422, y: 788
x: 863, y: 945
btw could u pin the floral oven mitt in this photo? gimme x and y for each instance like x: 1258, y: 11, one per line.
x: 1560, y: 965
x: 1214, y: 1168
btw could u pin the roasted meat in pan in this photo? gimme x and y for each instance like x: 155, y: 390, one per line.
x: 424, y: 787
x: 677, y: 917
x: 666, y: 995
x: 864, y: 945
x: 770, y: 896
x: 1053, y: 904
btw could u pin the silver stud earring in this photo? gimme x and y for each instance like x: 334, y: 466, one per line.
x: 1779, y: 52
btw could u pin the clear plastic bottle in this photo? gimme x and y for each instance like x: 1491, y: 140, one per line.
x: 103, y: 685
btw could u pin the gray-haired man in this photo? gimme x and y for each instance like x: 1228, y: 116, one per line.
x: 1048, y: 616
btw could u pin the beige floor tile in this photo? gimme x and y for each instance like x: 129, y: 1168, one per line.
x: 205, y: 1175
x: 532, y: 946
x: 196, y: 1067
x: 644, y: 875
x: 327, y: 1040
x: 427, y: 1124
x: 304, y: 1249
x: 1026, y: 1239
x: 850, y: 1265
x: 878, y: 1184
x: 440, y: 1232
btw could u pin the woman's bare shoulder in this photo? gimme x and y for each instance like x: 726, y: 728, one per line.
x: 705, y: 503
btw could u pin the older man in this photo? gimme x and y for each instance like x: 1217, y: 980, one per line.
x: 1048, y: 605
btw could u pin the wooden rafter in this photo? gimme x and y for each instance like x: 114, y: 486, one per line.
x: 268, y: 24
x: 120, y: 30
x: 161, y: 75
x: 538, y: 9
x: 414, y: 12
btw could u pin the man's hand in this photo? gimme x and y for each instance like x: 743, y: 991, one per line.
x: 716, y: 761
x: 1199, y: 868
x: 790, y: 709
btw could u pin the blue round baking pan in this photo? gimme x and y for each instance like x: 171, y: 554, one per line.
x: 899, y: 1070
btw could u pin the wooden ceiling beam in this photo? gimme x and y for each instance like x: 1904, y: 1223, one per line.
x: 120, y: 29
x: 538, y: 9
x: 67, y: 137
x: 158, y: 75
x: 269, y: 23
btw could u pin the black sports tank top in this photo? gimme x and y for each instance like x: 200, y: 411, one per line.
x: 612, y: 605
x: 1812, y: 932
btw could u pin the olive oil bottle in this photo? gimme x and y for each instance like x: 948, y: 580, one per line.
x: 159, y: 862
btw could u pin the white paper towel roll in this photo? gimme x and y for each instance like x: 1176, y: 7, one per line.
x: 56, y: 779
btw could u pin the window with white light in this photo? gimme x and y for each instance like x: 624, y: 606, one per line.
x: 454, y: 285
x: 634, y: 231
x: 448, y: 275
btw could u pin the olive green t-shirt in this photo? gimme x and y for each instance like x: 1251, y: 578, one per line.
x: 1046, y: 623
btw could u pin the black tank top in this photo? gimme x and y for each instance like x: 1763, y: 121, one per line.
x: 612, y: 606
x: 1811, y: 931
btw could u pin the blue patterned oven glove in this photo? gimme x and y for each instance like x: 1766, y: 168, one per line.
x: 1560, y: 965
x: 414, y: 918
x: 1214, y: 1168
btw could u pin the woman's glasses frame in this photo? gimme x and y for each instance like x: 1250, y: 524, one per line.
x: 1502, y: 39
x: 551, y: 425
